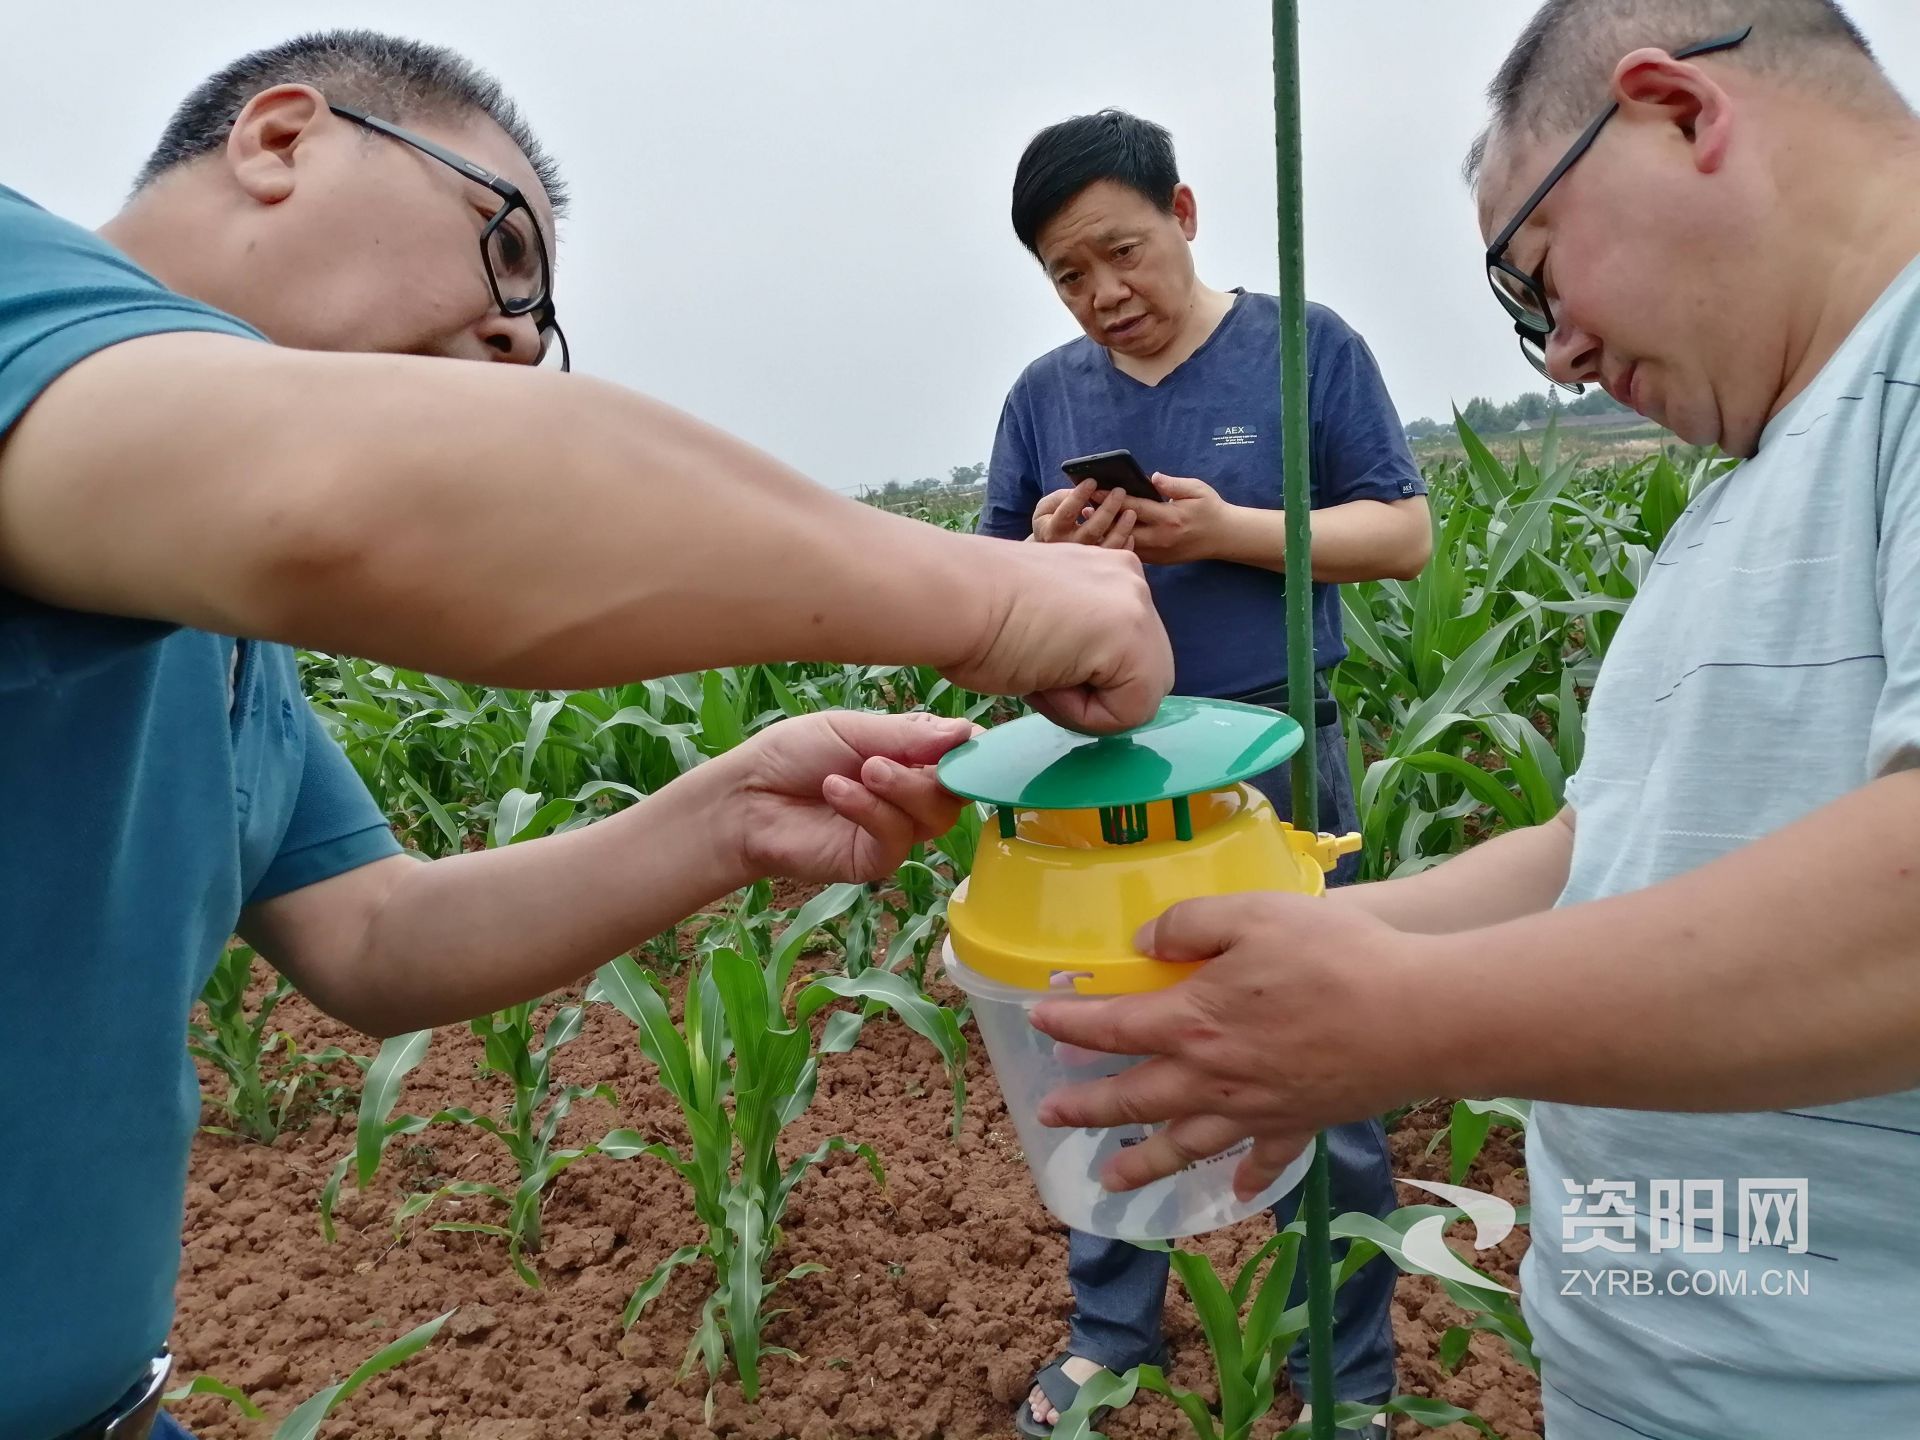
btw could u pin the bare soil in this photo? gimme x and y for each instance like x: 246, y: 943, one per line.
x: 946, y: 1289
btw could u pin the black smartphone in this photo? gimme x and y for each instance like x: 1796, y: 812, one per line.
x: 1112, y: 470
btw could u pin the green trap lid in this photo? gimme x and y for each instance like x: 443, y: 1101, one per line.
x: 1190, y: 746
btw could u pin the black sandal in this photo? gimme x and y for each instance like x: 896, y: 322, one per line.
x: 1061, y: 1391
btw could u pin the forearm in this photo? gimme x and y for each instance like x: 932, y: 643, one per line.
x: 476, y: 520
x: 474, y: 933
x: 1361, y: 540
x: 1511, y: 876
x: 1782, y: 975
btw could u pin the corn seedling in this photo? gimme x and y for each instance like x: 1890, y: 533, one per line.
x: 926, y: 882
x: 269, y: 1080
x: 306, y: 1418
x: 1468, y: 1128
x: 527, y: 1129
x: 742, y: 1069
x: 1250, y: 1329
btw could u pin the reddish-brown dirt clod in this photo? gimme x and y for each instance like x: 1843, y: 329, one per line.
x: 945, y: 1292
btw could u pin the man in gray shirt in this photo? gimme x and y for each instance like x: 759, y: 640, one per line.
x: 1712, y: 981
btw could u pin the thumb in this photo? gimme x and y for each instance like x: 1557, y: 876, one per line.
x: 1180, y: 487
x: 1197, y: 930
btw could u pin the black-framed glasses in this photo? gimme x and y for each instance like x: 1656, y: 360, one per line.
x: 1523, y: 296
x: 514, y: 252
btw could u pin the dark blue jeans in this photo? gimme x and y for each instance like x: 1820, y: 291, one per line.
x: 1119, y: 1290
x: 167, y: 1428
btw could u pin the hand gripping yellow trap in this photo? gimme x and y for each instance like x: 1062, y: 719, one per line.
x: 1095, y: 838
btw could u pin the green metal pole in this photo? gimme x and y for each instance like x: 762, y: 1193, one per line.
x: 1298, y: 495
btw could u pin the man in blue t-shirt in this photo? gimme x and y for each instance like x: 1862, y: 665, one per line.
x: 180, y: 502
x: 1186, y: 378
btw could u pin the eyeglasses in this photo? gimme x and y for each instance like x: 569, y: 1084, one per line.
x: 1523, y: 296
x: 514, y: 252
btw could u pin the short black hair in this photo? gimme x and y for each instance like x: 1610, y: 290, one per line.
x: 384, y: 75
x: 1559, y: 71
x: 1064, y: 159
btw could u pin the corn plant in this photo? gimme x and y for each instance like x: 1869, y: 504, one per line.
x: 526, y: 1129
x: 915, y: 905
x: 453, y: 764
x: 269, y: 1079
x: 926, y: 883
x: 743, y: 1066
x: 1463, y: 689
x: 1250, y: 1330
x: 304, y: 1422
x: 1468, y: 1128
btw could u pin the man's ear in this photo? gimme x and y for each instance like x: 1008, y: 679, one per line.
x: 1186, y: 210
x: 1680, y: 94
x: 271, y: 128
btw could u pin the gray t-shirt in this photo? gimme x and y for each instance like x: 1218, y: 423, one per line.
x: 1770, y: 665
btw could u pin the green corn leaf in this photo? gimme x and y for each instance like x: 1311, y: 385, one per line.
x: 545, y: 820
x: 720, y: 727
x: 830, y: 904
x: 745, y: 1287
x: 1479, y: 674
x: 1490, y: 477
x: 799, y: 1168
x: 512, y: 815
x: 1430, y: 1413
x: 1267, y: 1335
x: 379, y: 1093
x: 1221, y: 1324
x: 539, y: 719
x: 1520, y: 1112
x: 1569, y: 726
x: 436, y: 812
x: 1525, y: 527
x: 1478, y: 783
x: 1363, y: 630
x: 596, y: 788
x: 708, y: 1345
x: 912, y: 934
x: 207, y: 1385
x: 1453, y: 1348
x: 460, y: 1115
x: 788, y: 702
x: 934, y: 1023
x: 842, y: 1032
x: 650, y: 1289
x: 1118, y: 1391
x: 636, y: 994
x: 330, y: 1196
x: 1467, y: 1135
x: 420, y: 1200
x: 796, y: 1102
x: 631, y: 1145
x: 304, y: 1422
x: 1102, y: 1390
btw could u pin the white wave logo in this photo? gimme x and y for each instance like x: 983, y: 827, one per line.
x: 1425, y: 1244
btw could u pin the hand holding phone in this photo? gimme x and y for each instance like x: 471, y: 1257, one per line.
x: 1112, y: 470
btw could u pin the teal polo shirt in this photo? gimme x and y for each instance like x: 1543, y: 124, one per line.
x: 154, y: 780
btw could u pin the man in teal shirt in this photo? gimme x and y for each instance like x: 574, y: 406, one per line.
x: 168, y: 483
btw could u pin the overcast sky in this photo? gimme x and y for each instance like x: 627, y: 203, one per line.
x: 791, y: 219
